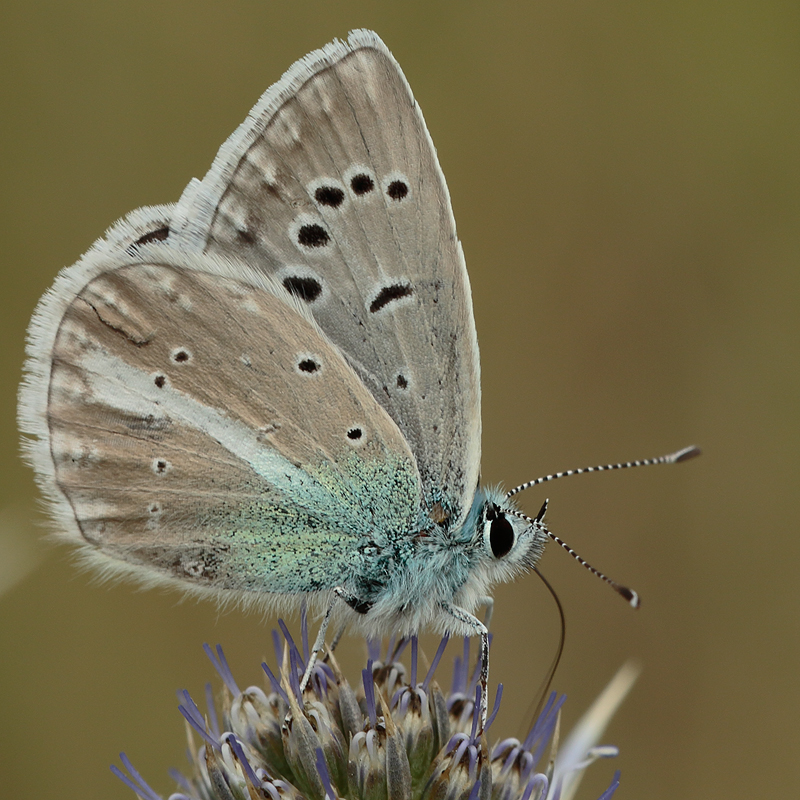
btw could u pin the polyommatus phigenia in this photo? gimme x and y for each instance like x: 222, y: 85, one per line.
x: 270, y: 391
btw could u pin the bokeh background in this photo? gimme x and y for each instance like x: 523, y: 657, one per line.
x: 626, y: 181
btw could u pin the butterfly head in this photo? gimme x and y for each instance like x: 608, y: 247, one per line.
x: 506, y: 542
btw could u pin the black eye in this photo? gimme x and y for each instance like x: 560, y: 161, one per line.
x: 501, y: 536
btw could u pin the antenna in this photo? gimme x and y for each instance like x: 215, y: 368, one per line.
x: 672, y: 458
x: 629, y: 594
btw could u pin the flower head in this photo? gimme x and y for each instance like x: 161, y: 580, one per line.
x: 393, y: 737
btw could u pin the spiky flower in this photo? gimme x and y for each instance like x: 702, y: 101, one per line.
x: 393, y: 737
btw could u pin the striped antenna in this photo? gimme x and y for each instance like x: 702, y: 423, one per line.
x: 672, y: 458
x: 629, y: 594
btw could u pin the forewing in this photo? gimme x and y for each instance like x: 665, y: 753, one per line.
x: 201, y: 426
x: 332, y: 186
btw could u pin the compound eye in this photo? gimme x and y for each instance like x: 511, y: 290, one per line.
x: 501, y: 536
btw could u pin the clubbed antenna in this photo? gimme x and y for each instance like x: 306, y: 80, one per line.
x: 672, y: 458
x: 629, y: 594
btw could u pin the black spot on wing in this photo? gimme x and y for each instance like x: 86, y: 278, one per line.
x: 313, y: 235
x: 362, y: 184
x: 331, y: 196
x: 308, y: 289
x: 181, y: 356
x: 389, y: 294
x: 161, y: 466
x: 158, y: 235
x: 308, y: 365
x: 397, y: 190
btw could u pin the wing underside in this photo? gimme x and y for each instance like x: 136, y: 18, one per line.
x: 333, y: 188
x: 204, y: 428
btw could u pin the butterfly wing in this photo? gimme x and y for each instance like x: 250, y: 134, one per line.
x: 332, y: 186
x: 192, y: 419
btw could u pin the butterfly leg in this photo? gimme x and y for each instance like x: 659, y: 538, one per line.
x: 337, y: 637
x: 476, y: 628
x: 488, y: 602
x: 339, y: 593
x: 319, y: 642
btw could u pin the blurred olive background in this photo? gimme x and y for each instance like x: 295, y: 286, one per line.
x: 626, y: 181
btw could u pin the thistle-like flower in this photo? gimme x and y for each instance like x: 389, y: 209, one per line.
x: 394, y: 737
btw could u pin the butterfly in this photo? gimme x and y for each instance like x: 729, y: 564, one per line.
x: 270, y: 391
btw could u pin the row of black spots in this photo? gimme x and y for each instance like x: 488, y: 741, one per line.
x: 390, y: 294
x: 312, y: 235
x: 361, y: 184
